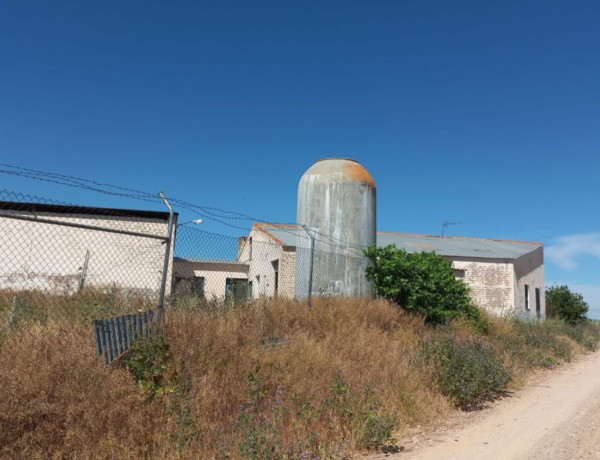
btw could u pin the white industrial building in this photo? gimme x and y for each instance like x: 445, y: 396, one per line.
x: 211, y: 279
x: 270, y: 253
x: 61, y: 249
x: 505, y: 277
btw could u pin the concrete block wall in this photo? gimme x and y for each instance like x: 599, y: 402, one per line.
x: 260, y: 252
x: 39, y: 256
x: 287, y: 273
x: 491, y: 284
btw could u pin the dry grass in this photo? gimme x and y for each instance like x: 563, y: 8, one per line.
x: 90, y: 303
x: 58, y: 400
x: 368, y: 344
x: 273, y: 379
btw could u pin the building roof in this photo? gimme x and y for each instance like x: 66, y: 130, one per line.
x: 282, y: 234
x: 36, y: 208
x: 209, y: 261
x: 455, y: 246
x: 450, y: 246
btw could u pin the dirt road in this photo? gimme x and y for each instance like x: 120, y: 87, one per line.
x: 556, y: 416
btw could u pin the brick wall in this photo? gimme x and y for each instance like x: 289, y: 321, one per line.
x: 491, y: 283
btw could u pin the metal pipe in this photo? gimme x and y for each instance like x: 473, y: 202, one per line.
x: 13, y: 312
x: 310, y: 268
x: 163, y: 282
x: 86, y: 227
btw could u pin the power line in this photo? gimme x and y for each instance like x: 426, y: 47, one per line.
x: 207, y: 212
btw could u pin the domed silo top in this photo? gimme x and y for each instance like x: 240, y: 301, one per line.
x: 341, y: 169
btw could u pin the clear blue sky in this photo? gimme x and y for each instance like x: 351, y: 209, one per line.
x: 487, y: 113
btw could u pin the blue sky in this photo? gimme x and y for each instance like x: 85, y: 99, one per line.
x: 486, y: 113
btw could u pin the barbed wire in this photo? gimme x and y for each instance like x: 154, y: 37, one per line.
x: 211, y: 213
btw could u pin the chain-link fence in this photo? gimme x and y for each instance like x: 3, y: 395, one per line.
x: 271, y: 261
x: 61, y: 263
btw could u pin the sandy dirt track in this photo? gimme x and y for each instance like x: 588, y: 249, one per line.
x: 555, y: 416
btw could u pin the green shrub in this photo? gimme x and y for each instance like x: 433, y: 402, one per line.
x: 147, y: 361
x: 566, y: 305
x: 377, y: 429
x: 468, y: 371
x: 420, y: 282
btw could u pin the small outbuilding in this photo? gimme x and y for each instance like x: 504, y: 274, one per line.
x: 506, y: 277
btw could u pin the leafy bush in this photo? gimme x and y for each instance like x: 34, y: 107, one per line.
x: 564, y: 304
x: 377, y: 429
x: 420, y: 282
x: 147, y: 361
x: 468, y: 371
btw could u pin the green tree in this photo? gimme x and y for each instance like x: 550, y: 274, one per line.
x: 564, y: 304
x: 420, y: 282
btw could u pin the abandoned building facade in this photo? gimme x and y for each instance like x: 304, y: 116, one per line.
x: 65, y: 248
x: 504, y: 277
x: 336, y: 220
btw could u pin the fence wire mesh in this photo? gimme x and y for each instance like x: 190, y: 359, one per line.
x: 61, y: 263
x: 270, y: 261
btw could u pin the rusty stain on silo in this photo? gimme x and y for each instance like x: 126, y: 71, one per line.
x: 357, y: 173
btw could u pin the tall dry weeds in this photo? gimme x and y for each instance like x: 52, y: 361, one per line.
x: 274, y: 378
x: 271, y: 379
x: 299, y: 354
x: 58, y: 400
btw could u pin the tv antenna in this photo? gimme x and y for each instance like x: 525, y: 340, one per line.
x: 447, y: 224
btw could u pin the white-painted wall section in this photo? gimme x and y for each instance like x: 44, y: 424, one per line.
x: 491, y: 283
x: 40, y: 256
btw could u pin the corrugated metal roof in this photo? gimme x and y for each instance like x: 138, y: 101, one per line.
x: 451, y: 246
x: 457, y: 246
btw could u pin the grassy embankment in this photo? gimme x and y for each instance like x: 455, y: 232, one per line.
x: 275, y: 379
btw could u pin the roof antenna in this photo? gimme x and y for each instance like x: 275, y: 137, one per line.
x: 447, y: 224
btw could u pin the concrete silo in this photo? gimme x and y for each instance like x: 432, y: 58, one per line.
x: 336, y: 203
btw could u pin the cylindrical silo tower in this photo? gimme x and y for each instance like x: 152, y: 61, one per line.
x: 336, y: 206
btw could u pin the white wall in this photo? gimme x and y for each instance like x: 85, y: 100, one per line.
x: 491, y: 283
x: 215, y: 275
x: 260, y: 251
x: 499, y: 285
x: 38, y: 256
x: 529, y: 269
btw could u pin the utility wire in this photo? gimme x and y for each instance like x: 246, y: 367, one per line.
x: 207, y: 212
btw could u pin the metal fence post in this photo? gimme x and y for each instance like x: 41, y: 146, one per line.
x: 13, y: 313
x: 310, y: 268
x: 163, y: 282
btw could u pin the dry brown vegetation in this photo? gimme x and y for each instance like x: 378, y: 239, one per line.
x: 274, y: 379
